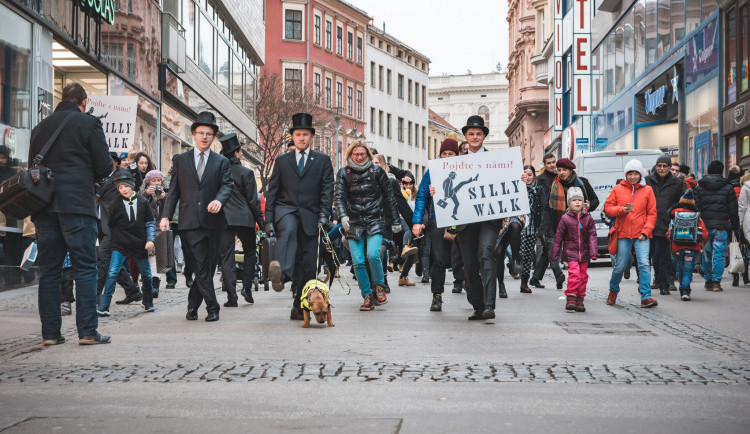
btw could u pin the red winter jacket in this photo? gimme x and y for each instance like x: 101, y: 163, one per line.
x: 576, y: 237
x: 676, y: 248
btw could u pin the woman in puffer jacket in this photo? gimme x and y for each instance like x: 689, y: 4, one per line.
x: 633, y: 204
x: 366, y: 207
x: 742, y: 207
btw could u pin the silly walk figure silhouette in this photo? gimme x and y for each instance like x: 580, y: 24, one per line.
x: 450, y: 192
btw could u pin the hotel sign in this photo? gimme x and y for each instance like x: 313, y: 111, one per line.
x: 98, y: 9
x: 581, y: 53
x: 557, y: 6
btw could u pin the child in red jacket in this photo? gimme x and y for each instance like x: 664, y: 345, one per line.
x: 686, y: 254
x: 576, y: 237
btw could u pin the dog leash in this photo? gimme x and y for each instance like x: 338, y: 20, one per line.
x: 328, y: 244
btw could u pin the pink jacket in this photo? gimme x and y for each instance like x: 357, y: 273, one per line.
x: 576, y: 237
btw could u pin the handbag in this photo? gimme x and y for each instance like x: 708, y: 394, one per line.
x: 612, y: 236
x: 736, y: 263
x: 29, y: 191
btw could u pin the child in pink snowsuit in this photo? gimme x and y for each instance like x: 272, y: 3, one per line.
x: 576, y: 238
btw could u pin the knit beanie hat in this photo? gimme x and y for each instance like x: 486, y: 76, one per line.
x: 634, y: 165
x: 449, y: 145
x: 715, y: 168
x: 151, y: 175
x: 575, y: 193
x: 688, y: 198
x: 664, y: 159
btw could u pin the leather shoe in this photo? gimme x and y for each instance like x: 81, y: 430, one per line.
x: 477, y: 315
x: 488, y: 313
x: 170, y: 286
x: 230, y: 303
x: 535, y: 283
x: 189, y: 282
x: 501, y: 291
x: 247, y: 294
x: 560, y: 280
x: 296, y: 314
x: 130, y: 298
x: 457, y: 288
x: 212, y: 316
x: 192, y: 314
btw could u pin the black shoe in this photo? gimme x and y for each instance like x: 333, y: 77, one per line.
x: 130, y: 298
x: 501, y: 291
x: 477, y: 315
x: 535, y: 283
x: 296, y: 314
x: 425, y: 278
x: 230, y: 303
x: 170, y: 286
x: 489, y: 313
x: 735, y: 279
x: 155, y: 284
x: 626, y: 275
x: 664, y: 291
x: 560, y: 280
x: 212, y: 316
x: 189, y: 282
x: 437, y: 303
x: 248, y: 295
x: 192, y: 314
x: 457, y: 288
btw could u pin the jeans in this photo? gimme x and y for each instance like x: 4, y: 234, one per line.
x: 56, y: 234
x: 114, y: 269
x: 644, y: 272
x: 357, y: 250
x: 684, y: 262
x: 713, y: 255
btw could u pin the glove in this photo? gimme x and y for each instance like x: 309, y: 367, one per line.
x: 396, y: 228
x: 270, y: 230
x: 345, y: 223
x: 325, y: 223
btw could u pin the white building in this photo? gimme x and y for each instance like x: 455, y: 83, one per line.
x: 456, y: 97
x: 396, y: 95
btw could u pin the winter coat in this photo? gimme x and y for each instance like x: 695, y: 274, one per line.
x: 575, y: 238
x: 366, y: 197
x: 642, y: 219
x: 423, y: 202
x: 156, y: 204
x: 403, y: 206
x: 716, y: 201
x: 549, y: 219
x: 742, y: 205
x: 687, y: 208
x: 667, y: 193
x: 242, y: 207
x: 130, y: 237
x: 536, y: 196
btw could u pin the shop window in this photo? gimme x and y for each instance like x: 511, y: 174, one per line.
x: 692, y: 15
x: 731, y: 55
x: 677, y: 11
x: 293, y: 25
x: 702, y: 122
x: 206, y: 46
x: 639, y: 24
x: 651, y: 33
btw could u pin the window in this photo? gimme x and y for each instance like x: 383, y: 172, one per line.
x: 380, y: 122
x: 359, y: 104
x: 400, y: 129
x: 664, y: 34
x: 350, y: 46
x: 640, y: 42
x: 628, y: 47
x: 292, y: 83
x: 237, y: 76
x: 339, y: 94
x: 408, y: 90
x: 416, y: 93
x: 424, y: 134
x: 329, y: 25
x: 692, y: 15
x: 339, y: 41
x: 484, y: 113
x: 359, y: 50
x: 380, y: 77
x: 731, y: 56
x: 372, y: 120
x: 372, y: 74
x: 293, y: 24
x: 316, y: 39
x: 677, y: 10
x: 350, y: 100
x: 400, y: 85
x: 745, y: 49
x: 206, y: 46
x: 416, y: 135
x: 651, y: 32
x: 408, y: 137
x: 328, y: 91
x: 316, y: 87
x: 131, y: 70
x: 388, y: 125
x: 388, y: 81
x: 424, y: 97
x: 619, y: 58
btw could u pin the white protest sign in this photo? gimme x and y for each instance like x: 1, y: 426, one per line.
x: 477, y: 187
x: 117, y: 114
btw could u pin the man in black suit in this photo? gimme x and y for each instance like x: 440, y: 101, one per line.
x: 242, y: 211
x: 201, y: 183
x: 299, y: 198
x: 79, y: 158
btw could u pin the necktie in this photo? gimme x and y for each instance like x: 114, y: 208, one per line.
x: 132, y: 212
x: 201, y: 165
x: 301, y: 164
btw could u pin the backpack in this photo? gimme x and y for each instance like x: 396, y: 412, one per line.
x: 684, y: 230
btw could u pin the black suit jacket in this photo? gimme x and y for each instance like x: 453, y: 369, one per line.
x: 310, y: 192
x: 194, y: 195
x: 78, y: 158
x: 243, y: 206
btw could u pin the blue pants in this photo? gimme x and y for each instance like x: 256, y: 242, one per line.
x: 713, y: 255
x: 56, y: 234
x: 114, y: 269
x: 684, y: 262
x: 357, y: 250
x: 624, y: 245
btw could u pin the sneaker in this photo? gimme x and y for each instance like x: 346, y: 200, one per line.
x: 649, y: 302
x: 404, y: 281
x: 717, y: 287
x: 367, y: 304
x: 65, y: 308
x: 685, y: 296
x: 94, y: 340
x: 437, y: 303
x: 274, y: 275
x: 709, y: 285
x: 408, y: 250
x: 380, y: 296
x: 560, y: 280
x: 53, y: 341
x: 611, y: 298
x: 102, y: 313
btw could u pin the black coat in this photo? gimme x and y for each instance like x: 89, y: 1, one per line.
x: 78, y: 159
x: 667, y: 194
x: 403, y: 206
x: 550, y: 221
x: 309, y: 193
x: 367, y: 198
x: 717, y: 203
x: 243, y: 206
x: 194, y: 195
x: 129, y: 238
x: 108, y: 196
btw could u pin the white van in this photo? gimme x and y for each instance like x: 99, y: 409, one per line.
x: 603, y: 169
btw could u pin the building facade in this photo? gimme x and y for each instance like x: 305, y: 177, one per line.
x: 528, y: 99
x: 456, y: 97
x: 396, y: 95
x: 320, y: 45
x: 735, y: 116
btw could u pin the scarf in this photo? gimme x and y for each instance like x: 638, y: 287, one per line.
x: 557, y: 194
x: 360, y: 167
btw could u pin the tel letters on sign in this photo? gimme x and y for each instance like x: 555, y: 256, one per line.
x: 478, y: 187
x: 117, y: 114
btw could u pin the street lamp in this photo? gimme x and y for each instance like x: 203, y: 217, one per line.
x: 337, y: 117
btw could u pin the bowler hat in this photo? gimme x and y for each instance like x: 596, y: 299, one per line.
x: 229, y: 144
x: 475, y: 122
x: 302, y: 121
x: 205, y: 119
x: 123, y: 176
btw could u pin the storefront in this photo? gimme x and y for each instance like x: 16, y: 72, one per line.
x: 736, y: 114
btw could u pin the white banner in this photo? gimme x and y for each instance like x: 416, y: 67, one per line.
x: 117, y: 114
x: 477, y: 187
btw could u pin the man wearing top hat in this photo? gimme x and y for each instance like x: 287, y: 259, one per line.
x: 476, y: 241
x: 299, y: 198
x: 242, y: 211
x: 201, y: 183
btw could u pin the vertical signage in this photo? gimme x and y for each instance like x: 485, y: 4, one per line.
x: 557, y: 6
x: 581, y: 53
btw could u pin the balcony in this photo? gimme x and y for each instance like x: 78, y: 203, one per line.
x: 172, y: 42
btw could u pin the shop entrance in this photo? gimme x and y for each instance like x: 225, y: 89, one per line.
x: 70, y: 68
x: 658, y: 107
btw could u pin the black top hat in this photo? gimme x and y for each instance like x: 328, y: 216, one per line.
x: 475, y: 122
x: 302, y: 121
x: 229, y: 144
x: 206, y: 119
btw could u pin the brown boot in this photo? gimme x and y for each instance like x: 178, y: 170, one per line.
x: 404, y: 281
x: 570, y: 303
x: 367, y: 304
x: 525, y: 286
x: 611, y: 298
x: 579, y: 304
x: 380, y: 297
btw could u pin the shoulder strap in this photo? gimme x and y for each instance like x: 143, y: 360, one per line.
x: 40, y: 156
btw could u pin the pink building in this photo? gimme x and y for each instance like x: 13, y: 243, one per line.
x: 528, y: 102
x: 320, y: 45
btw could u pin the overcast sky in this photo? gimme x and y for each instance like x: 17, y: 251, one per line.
x: 455, y: 34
